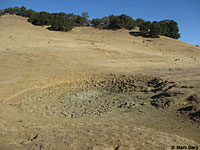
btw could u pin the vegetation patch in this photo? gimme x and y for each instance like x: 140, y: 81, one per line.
x: 65, y: 22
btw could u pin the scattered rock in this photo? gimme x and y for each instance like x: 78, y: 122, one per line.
x: 126, y: 105
x: 35, y: 137
x: 187, y: 87
x: 159, y: 85
x: 117, y: 148
x: 189, y: 108
x: 155, y: 83
x: 193, y: 98
x: 97, y: 95
x: 192, y: 108
x: 143, y: 103
x: 177, y: 60
x: 162, y: 102
x: 19, y: 120
x: 161, y: 95
x: 195, y: 116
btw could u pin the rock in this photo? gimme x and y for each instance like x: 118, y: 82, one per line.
x: 117, y: 148
x: 193, y: 98
x: 143, y: 103
x: 189, y: 108
x: 123, y: 105
x: 177, y: 60
x: 187, y: 87
x: 156, y: 83
x: 195, y: 116
x: 163, y: 103
x: 161, y: 95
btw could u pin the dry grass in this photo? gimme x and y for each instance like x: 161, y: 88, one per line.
x: 33, y: 58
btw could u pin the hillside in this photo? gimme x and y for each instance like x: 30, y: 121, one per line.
x: 49, y: 80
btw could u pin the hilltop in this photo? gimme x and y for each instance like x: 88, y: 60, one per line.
x: 49, y: 81
x: 66, y: 22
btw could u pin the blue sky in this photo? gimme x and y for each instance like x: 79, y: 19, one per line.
x: 185, y: 12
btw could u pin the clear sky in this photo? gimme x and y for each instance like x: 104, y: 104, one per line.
x: 185, y: 12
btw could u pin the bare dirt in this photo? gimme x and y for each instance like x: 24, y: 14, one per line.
x: 96, y: 89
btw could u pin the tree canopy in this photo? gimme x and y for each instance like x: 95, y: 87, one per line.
x: 65, y: 22
x: 167, y: 28
x: 114, y: 22
x: 85, y: 19
x: 1, y: 12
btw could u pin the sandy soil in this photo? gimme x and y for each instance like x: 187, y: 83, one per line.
x: 96, y: 89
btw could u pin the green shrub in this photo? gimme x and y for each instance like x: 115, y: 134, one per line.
x: 114, y: 22
x: 1, y: 12
x: 139, y: 21
x: 167, y: 28
x: 155, y: 29
x: 85, y: 20
x: 127, y: 22
x: 96, y: 22
x: 145, y: 27
x: 61, y: 24
x: 65, y: 22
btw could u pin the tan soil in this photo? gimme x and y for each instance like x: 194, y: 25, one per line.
x: 95, y: 89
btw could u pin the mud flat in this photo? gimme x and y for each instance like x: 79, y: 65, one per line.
x: 97, y: 95
x: 105, y: 111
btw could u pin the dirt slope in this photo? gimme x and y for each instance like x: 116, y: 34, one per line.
x: 95, y: 89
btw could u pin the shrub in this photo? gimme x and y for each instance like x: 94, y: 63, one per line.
x: 169, y: 28
x: 1, y: 12
x: 85, y: 20
x: 155, y: 29
x: 173, y: 30
x: 76, y: 20
x: 42, y: 18
x: 165, y: 27
x: 145, y: 27
x: 139, y: 21
x: 114, y: 22
x: 65, y: 22
x: 96, y: 22
x: 102, y: 23
x: 127, y: 22
x: 61, y: 24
